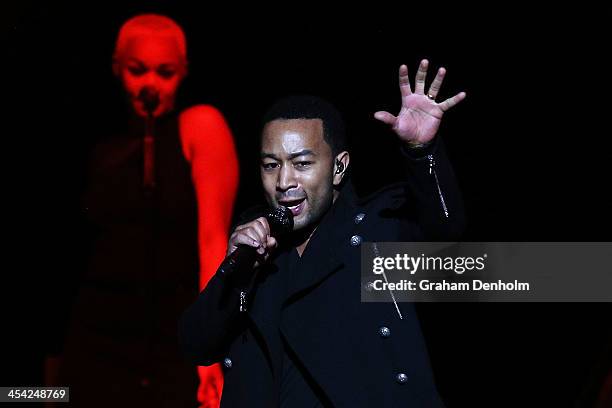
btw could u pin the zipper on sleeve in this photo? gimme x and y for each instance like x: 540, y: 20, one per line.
x: 432, y: 170
x: 243, y: 307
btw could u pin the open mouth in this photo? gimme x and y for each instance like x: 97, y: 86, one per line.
x: 295, y: 206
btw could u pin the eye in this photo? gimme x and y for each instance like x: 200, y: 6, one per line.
x: 166, y: 73
x: 136, y: 70
x: 269, y: 166
x: 302, y: 164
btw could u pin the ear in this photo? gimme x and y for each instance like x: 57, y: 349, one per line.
x: 341, y: 163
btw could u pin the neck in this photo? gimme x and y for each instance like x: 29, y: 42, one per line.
x: 301, y: 239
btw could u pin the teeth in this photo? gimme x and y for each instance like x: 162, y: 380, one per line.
x: 286, y: 204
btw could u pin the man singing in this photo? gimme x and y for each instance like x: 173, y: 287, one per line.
x: 297, y: 334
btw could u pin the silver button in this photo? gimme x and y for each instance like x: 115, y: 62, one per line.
x: 401, y: 378
x: 356, y: 240
x: 227, y: 362
x: 369, y: 286
x: 359, y: 217
x: 384, y: 332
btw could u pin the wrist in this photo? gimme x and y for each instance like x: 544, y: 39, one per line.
x: 414, y: 145
x: 419, y: 151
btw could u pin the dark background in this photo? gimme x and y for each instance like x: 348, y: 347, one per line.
x: 528, y: 145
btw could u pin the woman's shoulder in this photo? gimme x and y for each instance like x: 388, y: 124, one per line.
x: 204, y: 126
x: 201, y: 112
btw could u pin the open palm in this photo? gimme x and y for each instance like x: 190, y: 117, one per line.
x: 420, y: 116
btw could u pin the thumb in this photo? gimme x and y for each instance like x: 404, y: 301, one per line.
x: 385, y: 117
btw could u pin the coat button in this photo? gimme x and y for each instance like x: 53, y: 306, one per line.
x: 401, y: 378
x: 384, y: 332
x: 227, y: 362
x: 356, y: 240
x: 359, y: 217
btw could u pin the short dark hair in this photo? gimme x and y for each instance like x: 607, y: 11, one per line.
x: 311, y: 107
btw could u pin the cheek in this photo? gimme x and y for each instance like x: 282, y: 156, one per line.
x: 315, y: 187
x: 168, y: 88
x: 131, y: 84
x: 269, y: 185
x: 317, y: 181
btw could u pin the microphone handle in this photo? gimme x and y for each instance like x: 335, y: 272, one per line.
x: 238, y: 266
x: 149, y: 155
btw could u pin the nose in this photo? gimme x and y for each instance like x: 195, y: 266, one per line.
x: 151, y: 80
x: 286, y: 178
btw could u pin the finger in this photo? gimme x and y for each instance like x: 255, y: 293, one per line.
x: 260, y: 229
x: 272, y: 243
x: 241, y: 227
x: 263, y: 222
x: 262, y: 236
x: 404, y: 81
x: 436, y: 84
x: 419, y: 87
x: 248, y: 237
x: 450, y: 102
x: 386, y: 117
x: 256, y: 231
x: 259, y: 225
x: 241, y: 238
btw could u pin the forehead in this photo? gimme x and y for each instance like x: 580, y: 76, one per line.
x: 152, y: 49
x: 286, y: 136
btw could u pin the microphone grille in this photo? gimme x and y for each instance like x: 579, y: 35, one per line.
x: 281, y: 220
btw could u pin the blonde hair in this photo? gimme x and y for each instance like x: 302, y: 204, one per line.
x: 150, y: 25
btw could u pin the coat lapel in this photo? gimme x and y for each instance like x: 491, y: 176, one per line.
x: 264, y: 307
x: 321, y: 257
x: 313, y: 315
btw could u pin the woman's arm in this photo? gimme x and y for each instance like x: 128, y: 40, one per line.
x: 209, y: 147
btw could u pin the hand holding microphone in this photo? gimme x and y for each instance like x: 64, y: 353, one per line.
x: 255, y: 234
x: 252, y: 243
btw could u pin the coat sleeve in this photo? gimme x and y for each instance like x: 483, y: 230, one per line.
x: 432, y: 185
x: 206, y: 327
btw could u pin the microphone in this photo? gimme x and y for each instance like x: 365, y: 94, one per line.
x: 149, y: 98
x: 238, y: 266
x: 150, y: 101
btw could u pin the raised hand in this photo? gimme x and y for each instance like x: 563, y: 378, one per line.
x: 419, y: 118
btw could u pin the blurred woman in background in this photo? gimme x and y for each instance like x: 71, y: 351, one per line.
x: 157, y: 206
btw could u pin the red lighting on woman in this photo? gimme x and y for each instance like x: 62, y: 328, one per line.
x: 149, y: 240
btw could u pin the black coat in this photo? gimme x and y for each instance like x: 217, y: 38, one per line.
x: 341, y: 342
